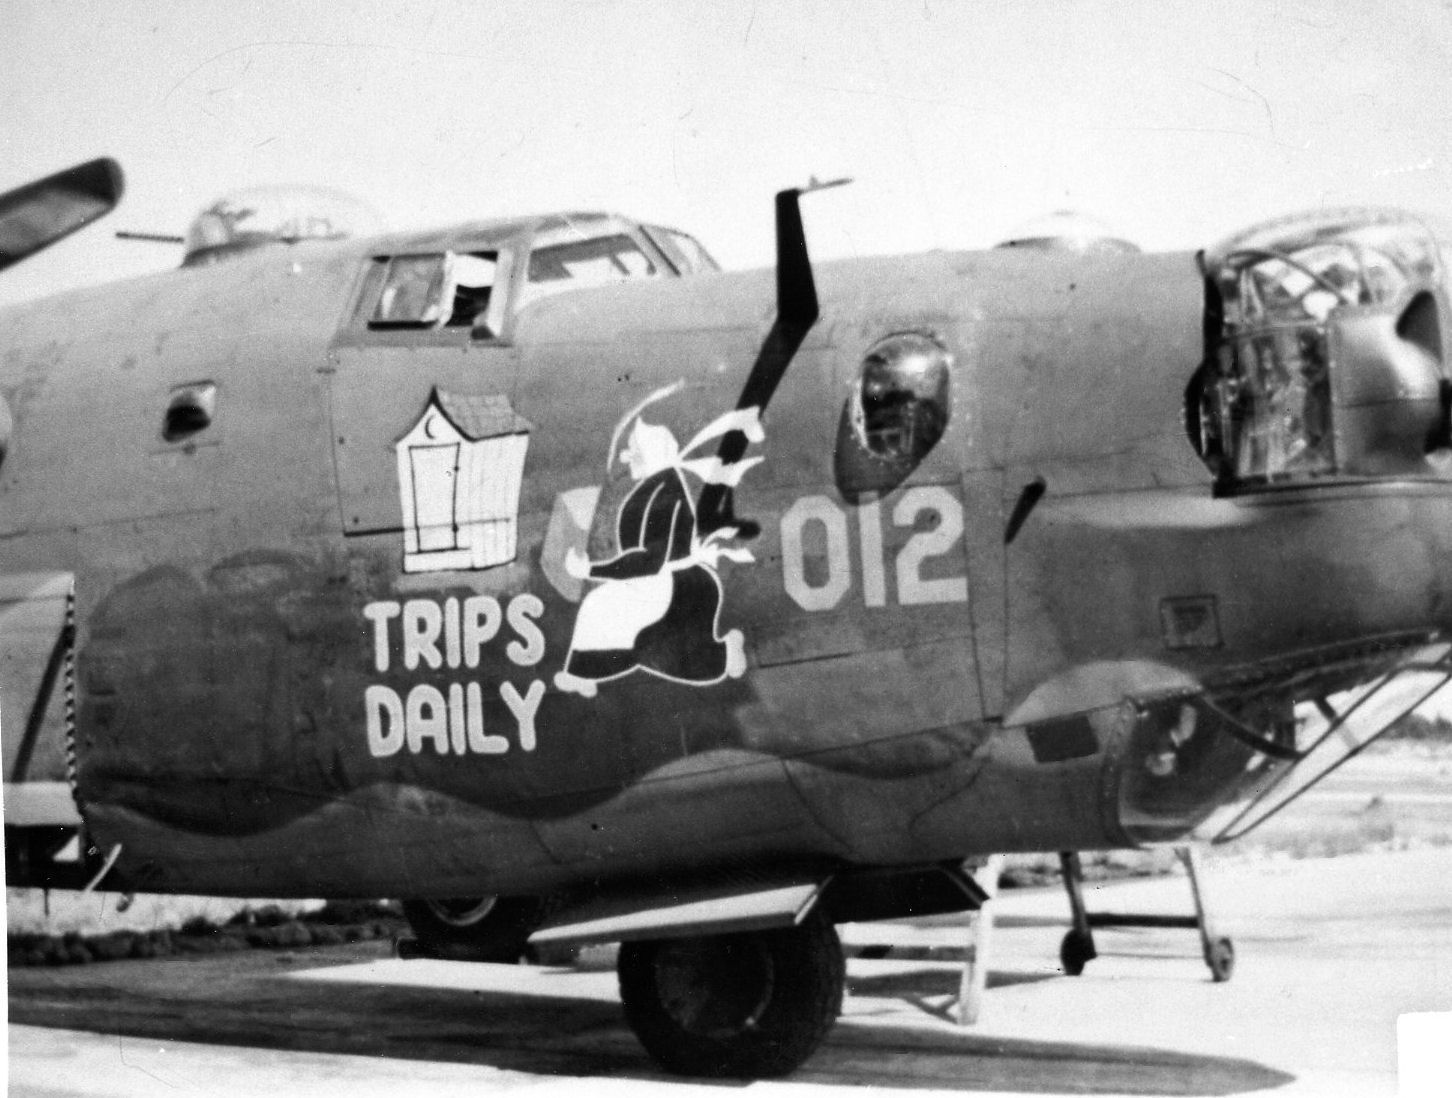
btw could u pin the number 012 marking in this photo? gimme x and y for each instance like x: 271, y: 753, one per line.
x: 913, y: 588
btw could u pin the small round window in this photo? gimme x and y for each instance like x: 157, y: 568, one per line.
x: 900, y: 402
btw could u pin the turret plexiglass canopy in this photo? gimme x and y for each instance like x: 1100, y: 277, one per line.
x: 1326, y: 337
x: 256, y: 216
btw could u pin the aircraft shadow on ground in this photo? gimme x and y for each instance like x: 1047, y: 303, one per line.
x: 931, y: 990
x: 542, y: 1032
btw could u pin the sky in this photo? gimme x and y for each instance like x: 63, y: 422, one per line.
x: 1176, y: 124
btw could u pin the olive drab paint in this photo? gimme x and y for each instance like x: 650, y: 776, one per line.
x: 454, y: 635
x: 535, y: 558
x: 572, y: 561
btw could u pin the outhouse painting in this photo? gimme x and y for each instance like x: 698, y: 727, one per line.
x: 460, y: 469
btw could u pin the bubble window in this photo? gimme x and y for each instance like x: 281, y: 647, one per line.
x: 900, y: 401
x: 896, y: 412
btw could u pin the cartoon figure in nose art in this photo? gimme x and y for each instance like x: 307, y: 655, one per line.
x: 659, y: 599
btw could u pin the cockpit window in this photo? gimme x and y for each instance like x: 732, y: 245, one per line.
x: 413, y: 292
x: 425, y: 293
x: 684, y: 252
x: 442, y: 290
x: 600, y: 259
x: 566, y: 260
x: 473, y: 282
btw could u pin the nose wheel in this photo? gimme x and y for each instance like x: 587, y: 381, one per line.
x: 1220, y: 957
x: 1078, y: 949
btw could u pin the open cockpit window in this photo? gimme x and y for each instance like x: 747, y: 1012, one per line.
x: 440, y: 290
x: 1323, y: 352
x: 431, y: 290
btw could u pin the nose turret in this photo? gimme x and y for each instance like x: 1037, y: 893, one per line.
x: 1326, y: 353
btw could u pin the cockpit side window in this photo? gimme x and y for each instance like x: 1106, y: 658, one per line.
x: 473, y: 278
x: 684, y: 252
x: 438, y: 290
x: 567, y: 260
x: 413, y: 292
x: 588, y: 262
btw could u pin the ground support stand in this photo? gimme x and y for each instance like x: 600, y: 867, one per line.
x: 1078, y: 948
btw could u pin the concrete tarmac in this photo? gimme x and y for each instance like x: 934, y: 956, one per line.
x: 1329, y: 954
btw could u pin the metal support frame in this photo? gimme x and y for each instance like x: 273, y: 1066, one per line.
x: 974, y: 980
x: 1078, y: 947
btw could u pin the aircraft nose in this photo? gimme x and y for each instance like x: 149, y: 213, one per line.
x: 1334, y: 354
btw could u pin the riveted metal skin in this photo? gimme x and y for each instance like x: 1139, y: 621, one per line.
x: 279, y: 693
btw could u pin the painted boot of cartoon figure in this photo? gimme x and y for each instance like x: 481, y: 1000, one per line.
x: 735, y: 654
x: 573, y: 684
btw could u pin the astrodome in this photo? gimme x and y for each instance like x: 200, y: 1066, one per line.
x: 1069, y: 231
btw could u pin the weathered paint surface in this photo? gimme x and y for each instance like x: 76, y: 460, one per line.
x: 269, y: 700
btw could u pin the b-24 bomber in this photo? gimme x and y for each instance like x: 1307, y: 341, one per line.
x: 544, y: 576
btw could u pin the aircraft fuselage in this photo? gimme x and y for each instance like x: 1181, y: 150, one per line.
x: 290, y: 680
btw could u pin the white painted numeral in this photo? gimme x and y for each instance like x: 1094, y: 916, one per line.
x: 874, y: 575
x: 913, y: 588
x: 794, y: 522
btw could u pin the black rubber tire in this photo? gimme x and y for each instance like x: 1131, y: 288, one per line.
x: 1076, y: 951
x: 1220, y: 957
x: 740, y: 1006
x: 481, y: 928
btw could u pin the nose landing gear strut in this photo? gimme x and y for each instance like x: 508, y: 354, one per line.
x: 1078, y: 948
